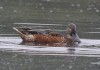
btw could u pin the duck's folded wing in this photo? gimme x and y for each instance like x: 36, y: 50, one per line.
x: 52, y: 33
x: 26, y: 30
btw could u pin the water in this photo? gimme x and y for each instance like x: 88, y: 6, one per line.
x: 24, y: 57
x: 49, y: 15
x: 15, y: 55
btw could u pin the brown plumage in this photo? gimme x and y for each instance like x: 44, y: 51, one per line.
x: 50, y: 37
x: 39, y: 37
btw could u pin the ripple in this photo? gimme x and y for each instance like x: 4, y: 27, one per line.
x: 50, y: 29
x: 96, y: 63
x: 90, y: 42
x: 95, y: 28
x: 8, y: 34
x: 12, y: 44
x: 92, y: 32
x: 38, y: 24
x: 60, y: 51
x: 2, y: 25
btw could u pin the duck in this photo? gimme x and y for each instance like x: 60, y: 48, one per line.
x: 49, y: 37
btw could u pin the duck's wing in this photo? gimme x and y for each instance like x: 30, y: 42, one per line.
x: 55, y: 34
x: 25, y: 30
x: 34, y: 32
x: 52, y: 33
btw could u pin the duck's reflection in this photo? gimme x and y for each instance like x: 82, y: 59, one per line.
x: 49, y: 44
x: 44, y: 44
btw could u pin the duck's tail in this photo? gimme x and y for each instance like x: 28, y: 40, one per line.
x: 20, y: 33
x: 25, y: 37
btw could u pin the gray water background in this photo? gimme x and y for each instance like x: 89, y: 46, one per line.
x: 50, y: 14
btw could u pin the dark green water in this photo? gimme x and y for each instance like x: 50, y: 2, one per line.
x: 50, y: 14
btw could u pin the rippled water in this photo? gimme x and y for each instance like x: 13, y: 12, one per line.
x: 15, y: 55
x: 49, y: 15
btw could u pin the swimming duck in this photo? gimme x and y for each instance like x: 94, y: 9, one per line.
x: 29, y: 35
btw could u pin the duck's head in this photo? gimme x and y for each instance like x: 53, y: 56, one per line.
x: 71, y: 30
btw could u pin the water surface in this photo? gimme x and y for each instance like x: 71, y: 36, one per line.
x: 53, y: 15
x: 16, y: 56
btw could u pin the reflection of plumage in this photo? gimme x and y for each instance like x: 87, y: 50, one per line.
x: 29, y: 35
